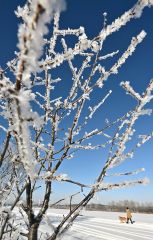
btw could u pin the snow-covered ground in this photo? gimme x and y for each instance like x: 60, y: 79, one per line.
x: 95, y: 225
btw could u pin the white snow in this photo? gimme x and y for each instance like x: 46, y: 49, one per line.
x: 95, y: 225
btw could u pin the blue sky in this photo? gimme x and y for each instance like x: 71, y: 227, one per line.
x: 138, y: 70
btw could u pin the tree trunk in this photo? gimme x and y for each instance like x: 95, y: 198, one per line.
x: 33, y: 232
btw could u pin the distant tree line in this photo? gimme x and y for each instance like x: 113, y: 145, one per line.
x: 142, y: 207
x: 118, y: 206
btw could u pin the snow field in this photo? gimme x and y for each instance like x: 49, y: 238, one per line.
x: 98, y: 227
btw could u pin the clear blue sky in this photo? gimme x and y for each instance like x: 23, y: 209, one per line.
x: 138, y: 70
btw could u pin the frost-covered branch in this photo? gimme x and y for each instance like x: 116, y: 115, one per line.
x: 106, y: 187
x: 126, y: 173
x: 134, y: 12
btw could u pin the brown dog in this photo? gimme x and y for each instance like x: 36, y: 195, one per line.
x: 122, y: 219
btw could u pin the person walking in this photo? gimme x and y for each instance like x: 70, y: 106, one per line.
x: 129, y: 215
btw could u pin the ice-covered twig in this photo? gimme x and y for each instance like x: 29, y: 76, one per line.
x: 147, y: 97
x: 105, y: 187
x: 94, y: 109
x: 130, y: 90
x: 134, y: 42
x: 126, y: 173
x: 30, y: 34
x: 134, y: 12
x: 109, y: 55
